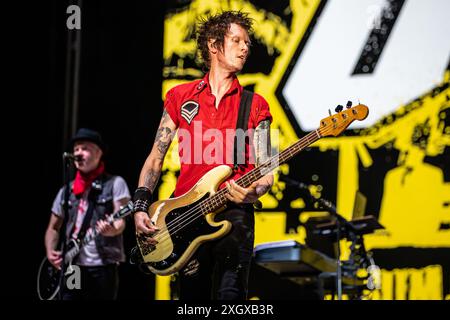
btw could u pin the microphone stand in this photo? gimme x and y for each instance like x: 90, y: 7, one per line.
x: 67, y: 164
x: 339, y: 220
x: 326, y: 204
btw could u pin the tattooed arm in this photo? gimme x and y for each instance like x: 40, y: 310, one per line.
x: 263, y: 152
x: 152, y: 167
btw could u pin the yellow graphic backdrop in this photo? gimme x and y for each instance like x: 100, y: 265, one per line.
x: 415, y: 196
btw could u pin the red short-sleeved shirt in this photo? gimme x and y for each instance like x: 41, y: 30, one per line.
x: 206, y: 134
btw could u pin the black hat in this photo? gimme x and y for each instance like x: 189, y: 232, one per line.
x: 89, y: 135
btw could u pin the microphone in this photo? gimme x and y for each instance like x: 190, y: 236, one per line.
x: 70, y: 156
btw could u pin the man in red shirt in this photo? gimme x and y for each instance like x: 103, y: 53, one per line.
x: 204, y: 111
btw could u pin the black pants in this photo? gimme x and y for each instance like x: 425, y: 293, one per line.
x: 97, y: 283
x: 219, y: 269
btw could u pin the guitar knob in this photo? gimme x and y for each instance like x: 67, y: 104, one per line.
x: 173, y: 255
x: 339, y: 108
x: 163, y: 263
x: 349, y: 104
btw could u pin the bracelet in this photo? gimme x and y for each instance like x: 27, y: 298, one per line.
x: 142, y: 199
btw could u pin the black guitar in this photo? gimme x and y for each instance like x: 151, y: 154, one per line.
x: 49, y: 277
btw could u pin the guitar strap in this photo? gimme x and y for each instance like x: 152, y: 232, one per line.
x: 242, y: 120
x: 89, y: 214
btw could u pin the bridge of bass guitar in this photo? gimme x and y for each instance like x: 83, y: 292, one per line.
x: 185, y: 229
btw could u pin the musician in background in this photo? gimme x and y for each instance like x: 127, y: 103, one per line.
x: 219, y: 269
x: 94, y: 194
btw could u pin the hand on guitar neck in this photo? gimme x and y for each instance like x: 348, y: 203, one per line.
x: 110, y: 228
x: 239, y: 195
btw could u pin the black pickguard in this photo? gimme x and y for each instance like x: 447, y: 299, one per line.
x: 183, y: 237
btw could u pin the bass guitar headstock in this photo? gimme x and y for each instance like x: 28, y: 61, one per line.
x: 336, y: 123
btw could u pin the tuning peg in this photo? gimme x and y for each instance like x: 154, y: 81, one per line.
x: 329, y: 112
x: 339, y: 108
x: 349, y: 104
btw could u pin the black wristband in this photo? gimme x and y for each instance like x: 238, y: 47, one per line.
x: 142, y: 199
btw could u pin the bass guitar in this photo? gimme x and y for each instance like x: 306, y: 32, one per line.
x: 187, y: 221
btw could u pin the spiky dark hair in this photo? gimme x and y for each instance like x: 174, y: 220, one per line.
x: 216, y: 27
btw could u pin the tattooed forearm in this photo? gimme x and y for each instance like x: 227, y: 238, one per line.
x: 151, y: 179
x: 151, y: 170
x: 263, y: 148
x: 263, y: 151
x: 164, y: 136
x: 163, y: 139
x: 162, y: 148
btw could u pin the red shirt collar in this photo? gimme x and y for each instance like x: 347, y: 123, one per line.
x: 235, y: 85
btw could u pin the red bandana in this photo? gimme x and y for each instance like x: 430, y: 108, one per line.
x: 84, y: 181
